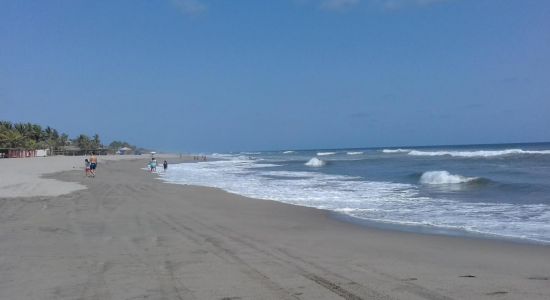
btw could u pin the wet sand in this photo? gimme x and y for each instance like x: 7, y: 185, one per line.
x: 131, y: 236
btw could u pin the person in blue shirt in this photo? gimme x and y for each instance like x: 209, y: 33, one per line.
x: 153, y: 165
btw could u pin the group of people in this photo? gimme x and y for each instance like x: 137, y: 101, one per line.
x: 153, y: 165
x: 91, y: 165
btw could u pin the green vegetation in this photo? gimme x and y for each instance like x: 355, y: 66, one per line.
x: 33, y: 136
x: 30, y: 136
x: 115, y: 145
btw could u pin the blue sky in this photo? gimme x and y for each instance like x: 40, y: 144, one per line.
x: 220, y: 75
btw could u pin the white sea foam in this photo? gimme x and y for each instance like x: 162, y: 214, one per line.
x: 478, y: 153
x: 355, y: 153
x: 396, y: 150
x: 325, y: 153
x: 289, y: 174
x: 443, y: 177
x: 379, y: 201
x: 288, y: 152
x: 223, y: 155
x: 315, y: 162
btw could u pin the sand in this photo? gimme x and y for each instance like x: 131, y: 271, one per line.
x: 23, y: 177
x: 131, y: 236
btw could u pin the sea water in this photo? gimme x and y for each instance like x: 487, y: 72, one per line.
x: 498, y: 191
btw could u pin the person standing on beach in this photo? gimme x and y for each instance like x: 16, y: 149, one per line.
x: 165, y: 165
x: 93, y: 164
x: 153, y: 165
x: 87, y: 166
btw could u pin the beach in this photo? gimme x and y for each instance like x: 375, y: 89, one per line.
x: 127, y: 235
x: 23, y: 177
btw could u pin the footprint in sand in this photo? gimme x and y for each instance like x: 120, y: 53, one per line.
x: 496, y: 293
x: 537, y: 278
x: 467, y: 276
x: 409, y: 279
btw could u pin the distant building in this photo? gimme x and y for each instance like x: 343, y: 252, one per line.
x: 22, y: 153
x: 125, y: 151
x: 76, y: 151
x: 69, y: 150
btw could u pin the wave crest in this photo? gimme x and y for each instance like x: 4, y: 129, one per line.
x: 396, y: 150
x: 478, y: 153
x: 315, y: 162
x: 355, y: 153
x: 325, y: 153
x: 444, y: 177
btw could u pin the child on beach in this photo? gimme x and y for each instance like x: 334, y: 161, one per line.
x: 153, y: 165
x: 165, y: 165
x: 87, y: 166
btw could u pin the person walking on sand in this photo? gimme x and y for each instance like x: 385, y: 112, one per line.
x: 165, y: 166
x: 93, y: 164
x: 87, y: 166
x: 153, y: 165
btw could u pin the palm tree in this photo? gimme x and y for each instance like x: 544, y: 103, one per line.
x: 35, y: 132
x: 32, y: 136
x: 11, y: 139
x: 63, y: 140
x: 6, y: 125
x: 55, y: 135
x: 19, y: 127
x: 4, y: 136
x: 47, y: 134
x: 84, y: 142
x: 96, y: 142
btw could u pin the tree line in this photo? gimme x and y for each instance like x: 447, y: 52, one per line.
x: 33, y: 136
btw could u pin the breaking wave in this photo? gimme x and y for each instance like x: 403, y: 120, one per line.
x: 325, y: 153
x: 288, y: 152
x: 444, y: 177
x: 355, y: 153
x: 315, y: 162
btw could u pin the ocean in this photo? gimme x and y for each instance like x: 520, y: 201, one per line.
x: 494, y: 191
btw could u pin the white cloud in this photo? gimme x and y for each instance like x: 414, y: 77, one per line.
x: 338, y: 5
x: 343, y: 5
x: 189, y: 7
x: 397, y: 4
x: 193, y: 7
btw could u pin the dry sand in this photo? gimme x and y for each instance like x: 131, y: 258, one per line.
x: 130, y: 236
x: 23, y: 177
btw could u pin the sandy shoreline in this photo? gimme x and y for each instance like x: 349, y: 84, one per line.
x: 130, y: 236
x: 24, y: 177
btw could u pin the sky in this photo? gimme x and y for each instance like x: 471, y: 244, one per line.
x: 221, y: 75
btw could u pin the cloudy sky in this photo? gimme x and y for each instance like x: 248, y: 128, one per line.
x: 221, y: 75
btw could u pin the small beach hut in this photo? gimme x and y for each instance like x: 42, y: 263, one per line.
x: 125, y: 151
